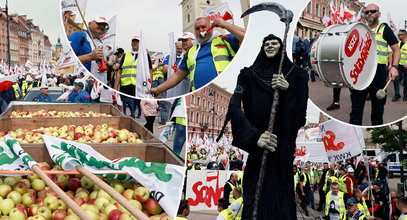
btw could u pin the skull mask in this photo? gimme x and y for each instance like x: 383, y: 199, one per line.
x: 271, y: 48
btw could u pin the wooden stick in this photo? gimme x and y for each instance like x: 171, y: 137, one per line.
x: 163, y: 126
x: 28, y: 172
x: 117, y: 196
x: 64, y: 197
x: 388, y: 83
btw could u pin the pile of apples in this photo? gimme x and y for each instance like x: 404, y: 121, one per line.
x: 82, y: 134
x: 43, y: 113
x: 29, y: 198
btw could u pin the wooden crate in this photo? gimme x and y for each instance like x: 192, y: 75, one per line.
x: 115, y: 122
x: 95, y: 107
x: 149, y: 152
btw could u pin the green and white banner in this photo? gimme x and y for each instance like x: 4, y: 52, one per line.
x: 13, y: 157
x: 164, y: 181
x: 167, y: 132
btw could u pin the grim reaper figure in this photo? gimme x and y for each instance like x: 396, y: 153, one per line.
x: 255, y: 89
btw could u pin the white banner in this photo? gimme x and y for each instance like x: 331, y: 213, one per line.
x: 164, y: 181
x: 70, y: 5
x: 341, y: 141
x: 313, y: 152
x: 205, y: 187
x: 167, y: 132
x: 13, y: 157
x: 66, y: 59
x: 218, y: 11
x: 143, y: 83
x: 171, y: 64
x: 179, y: 110
x: 110, y: 36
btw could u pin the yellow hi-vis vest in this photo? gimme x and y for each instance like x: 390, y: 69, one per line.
x: 342, y: 184
x: 342, y: 208
x: 227, y: 214
x: 311, y: 174
x: 296, y: 180
x: 222, y: 54
x: 363, y: 207
x: 16, y: 90
x: 158, y: 73
x: 181, y: 121
x: 180, y: 218
x: 238, y: 215
x: 24, y: 88
x: 129, y: 70
x: 403, y: 217
x: 403, y: 52
x: 382, y: 55
x: 231, y: 199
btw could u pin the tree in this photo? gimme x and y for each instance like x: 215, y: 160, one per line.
x: 388, y: 138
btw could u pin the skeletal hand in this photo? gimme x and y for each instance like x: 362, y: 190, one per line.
x: 268, y: 141
x: 279, y: 82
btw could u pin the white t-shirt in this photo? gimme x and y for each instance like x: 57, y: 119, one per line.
x: 235, y: 207
x: 333, y: 211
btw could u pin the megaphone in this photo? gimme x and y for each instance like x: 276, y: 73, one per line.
x: 102, y: 65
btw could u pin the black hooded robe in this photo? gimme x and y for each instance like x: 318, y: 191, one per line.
x: 277, y: 197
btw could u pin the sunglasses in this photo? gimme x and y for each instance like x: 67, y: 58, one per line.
x: 370, y: 12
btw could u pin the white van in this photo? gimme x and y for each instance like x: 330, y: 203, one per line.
x: 393, y: 163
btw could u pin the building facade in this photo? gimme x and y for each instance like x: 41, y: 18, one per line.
x: 69, y: 23
x: 310, y: 22
x: 27, y: 41
x: 207, y: 110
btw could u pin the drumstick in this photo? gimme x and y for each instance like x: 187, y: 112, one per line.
x: 381, y: 93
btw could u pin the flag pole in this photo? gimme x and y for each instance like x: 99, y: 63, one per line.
x: 64, y: 197
x: 368, y: 174
x: 84, y: 23
x: 117, y: 196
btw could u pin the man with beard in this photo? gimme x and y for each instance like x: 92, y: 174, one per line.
x: 384, y: 37
x: 255, y: 88
x: 209, y: 57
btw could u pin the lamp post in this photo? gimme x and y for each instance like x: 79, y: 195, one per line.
x: 213, y: 93
x: 8, y: 37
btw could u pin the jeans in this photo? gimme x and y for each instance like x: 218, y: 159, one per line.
x: 402, y: 76
x: 165, y: 111
x: 358, y: 99
x: 157, y: 82
x: 138, y: 106
x: 179, y: 138
x: 128, y: 102
x: 311, y: 199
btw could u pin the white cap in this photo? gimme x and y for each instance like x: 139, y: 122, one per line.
x: 44, y: 87
x: 187, y: 35
x: 136, y: 37
x: 100, y: 19
x: 351, y: 170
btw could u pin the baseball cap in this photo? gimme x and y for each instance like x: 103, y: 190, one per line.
x: 187, y: 35
x: 350, y: 170
x: 99, y: 19
x: 377, y: 183
x: 119, y: 50
x: 44, y: 87
x: 351, y: 201
x: 136, y: 37
x: 80, y: 84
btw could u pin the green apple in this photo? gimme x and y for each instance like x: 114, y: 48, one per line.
x: 45, y: 211
x: 5, y: 190
x: 101, y: 203
x: 17, y: 214
x: 38, y: 184
x: 15, y: 196
x: 87, y: 183
x: 6, y: 206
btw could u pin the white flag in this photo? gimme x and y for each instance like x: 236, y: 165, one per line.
x: 29, y: 64
x: 109, y: 37
x: 179, y: 110
x: 167, y: 132
x: 143, y: 83
x: 70, y: 5
x: 13, y: 157
x: 164, y: 181
x: 341, y: 141
x: 66, y: 60
x: 171, y: 63
x: 392, y: 25
x: 218, y: 11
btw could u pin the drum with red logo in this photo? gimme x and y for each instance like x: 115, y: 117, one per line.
x: 345, y: 55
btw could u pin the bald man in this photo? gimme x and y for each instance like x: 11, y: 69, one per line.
x: 385, y: 38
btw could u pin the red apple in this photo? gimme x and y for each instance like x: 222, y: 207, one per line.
x: 114, y: 214
x: 152, y: 206
x: 59, y: 215
x: 74, y: 184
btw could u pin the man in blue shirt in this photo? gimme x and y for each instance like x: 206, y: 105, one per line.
x: 83, y: 47
x: 43, y: 96
x: 202, y: 65
x: 78, y: 94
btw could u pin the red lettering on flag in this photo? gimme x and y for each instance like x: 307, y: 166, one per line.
x: 329, y: 139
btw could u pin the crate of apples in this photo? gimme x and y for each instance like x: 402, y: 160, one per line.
x: 55, y: 114
x: 29, y: 198
x: 81, y: 133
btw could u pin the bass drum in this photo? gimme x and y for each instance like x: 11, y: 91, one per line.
x: 345, y: 55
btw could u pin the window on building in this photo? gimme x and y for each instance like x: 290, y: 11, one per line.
x: 197, y: 117
x: 323, y: 12
x: 203, y: 119
x: 198, y: 99
x: 204, y: 91
x: 316, y: 10
x: 188, y: 18
x: 191, y: 117
x: 309, y: 8
x: 203, y: 102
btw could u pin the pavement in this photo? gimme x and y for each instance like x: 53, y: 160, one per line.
x: 322, y: 97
